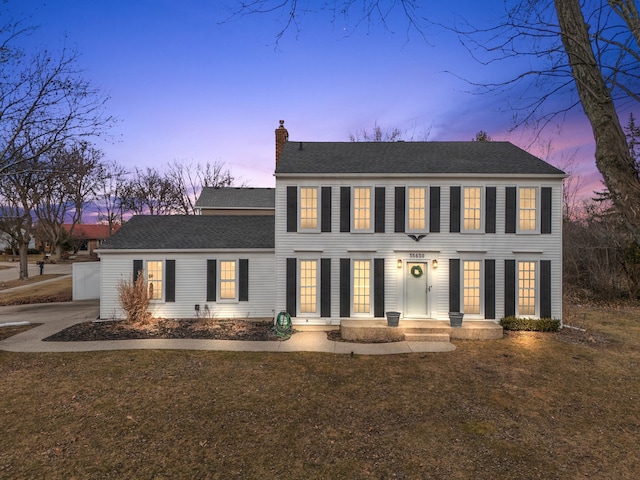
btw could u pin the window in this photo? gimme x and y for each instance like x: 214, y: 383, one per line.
x: 308, y: 208
x: 228, y: 281
x: 308, y: 286
x: 472, y: 208
x: 417, y: 208
x: 154, y: 279
x: 361, y: 286
x: 526, y: 288
x: 362, y: 208
x: 471, y: 287
x: 527, y: 204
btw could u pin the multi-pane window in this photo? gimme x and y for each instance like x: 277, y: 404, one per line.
x: 417, y: 208
x: 361, y: 286
x: 362, y: 208
x: 308, y: 208
x: 228, y: 279
x: 308, y: 286
x: 472, y: 208
x: 471, y: 286
x: 527, y: 204
x: 154, y: 279
x: 526, y: 288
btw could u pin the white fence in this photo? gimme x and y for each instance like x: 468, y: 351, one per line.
x: 86, y: 281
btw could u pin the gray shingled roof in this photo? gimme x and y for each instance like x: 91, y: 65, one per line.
x: 155, y: 232
x: 410, y: 158
x: 251, y: 198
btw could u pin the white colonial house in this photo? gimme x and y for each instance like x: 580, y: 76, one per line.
x: 360, y: 229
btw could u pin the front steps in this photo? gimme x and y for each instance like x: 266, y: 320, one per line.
x: 418, y: 330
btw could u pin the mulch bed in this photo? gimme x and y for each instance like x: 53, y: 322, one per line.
x: 169, y: 329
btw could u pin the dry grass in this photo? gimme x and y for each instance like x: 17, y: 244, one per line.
x: 533, y: 405
x: 56, y: 291
x: 31, y: 281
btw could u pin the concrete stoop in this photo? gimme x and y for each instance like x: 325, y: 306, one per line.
x: 418, y: 330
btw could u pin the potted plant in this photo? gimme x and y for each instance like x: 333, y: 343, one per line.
x: 455, y: 319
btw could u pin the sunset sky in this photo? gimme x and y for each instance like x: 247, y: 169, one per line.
x: 188, y: 81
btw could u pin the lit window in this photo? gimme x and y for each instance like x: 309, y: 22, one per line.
x: 417, y: 208
x: 471, y: 286
x: 308, y: 286
x: 308, y: 208
x: 361, y: 208
x: 227, y: 280
x: 472, y: 208
x: 526, y: 288
x: 527, y: 209
x: 361, y: 286
x: 154, y: 279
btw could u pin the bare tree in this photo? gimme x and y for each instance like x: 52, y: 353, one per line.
x: 109, y: 191
x: 188, y: 179
x: 481, y: 136
x: 390, y: 134
x: 149, y: 192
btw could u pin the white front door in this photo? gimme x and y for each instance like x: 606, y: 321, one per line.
x: 417, y: 290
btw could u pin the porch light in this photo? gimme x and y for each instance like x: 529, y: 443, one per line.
x: 434, y: 264
x: 399, y: 263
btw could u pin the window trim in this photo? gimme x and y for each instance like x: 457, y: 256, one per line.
x: 371, y: 207
x: 481, y: 208
x: 536, y: 289
x: 481, y: 287
x: 162, y: 281
x: 537, y: 210
x: 370, y: 313
x: 299, y: 287
x: 220, y: 281
x: 427, y: 192
x: 317, y: 210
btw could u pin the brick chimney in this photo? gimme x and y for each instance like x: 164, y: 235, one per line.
x: 281, y: 138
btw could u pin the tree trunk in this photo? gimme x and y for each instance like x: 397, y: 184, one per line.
x: 23, y: 251
x: 613, y: 158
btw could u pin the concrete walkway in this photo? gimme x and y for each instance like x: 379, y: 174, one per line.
x: 58, y: 316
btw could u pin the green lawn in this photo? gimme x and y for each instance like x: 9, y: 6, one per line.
x: 531, y: 405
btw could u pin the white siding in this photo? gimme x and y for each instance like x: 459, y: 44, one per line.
x: 191, y: 284
x: 435, y: 246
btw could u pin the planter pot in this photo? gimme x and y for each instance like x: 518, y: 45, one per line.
x: 455, y: 319
x: 393, y: 318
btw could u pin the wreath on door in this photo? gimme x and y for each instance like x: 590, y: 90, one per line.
x: 416, y: 271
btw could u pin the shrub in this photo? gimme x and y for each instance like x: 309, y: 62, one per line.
x: 530, y: 324
x: 135, y: 300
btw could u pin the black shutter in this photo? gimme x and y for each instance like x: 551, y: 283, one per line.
x: 292, y: 209
x: 345, y: 287
x: 137, y: 269
x: 243, y: 293
x: 454, y: 212
x: 545, y: 207
x: 490, y: 289
x: 490, y: 207
x: 379, y: 209
x: 509, y: 288
x: 510, y: 210
x: 170, y: 283
x: 292, y: 286
x: 345, y: 209
x: 325, y: 205
x: 545, y: 288
x: 400, y: 209
x: 325, y: 287
x: 454, y: 285
x: 378, y: 287
x: 212, y: 280
x: 434, y: 209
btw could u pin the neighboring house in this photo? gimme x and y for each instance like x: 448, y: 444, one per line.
x: 236, y: 201
x: 216, y: 266
x: 88, y: 237
x: 423, y: 228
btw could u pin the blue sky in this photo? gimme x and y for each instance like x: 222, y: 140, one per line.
x: 187, y: 83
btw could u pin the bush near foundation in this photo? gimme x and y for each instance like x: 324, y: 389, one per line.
x: 135, y: 300
x: 530, y: 324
